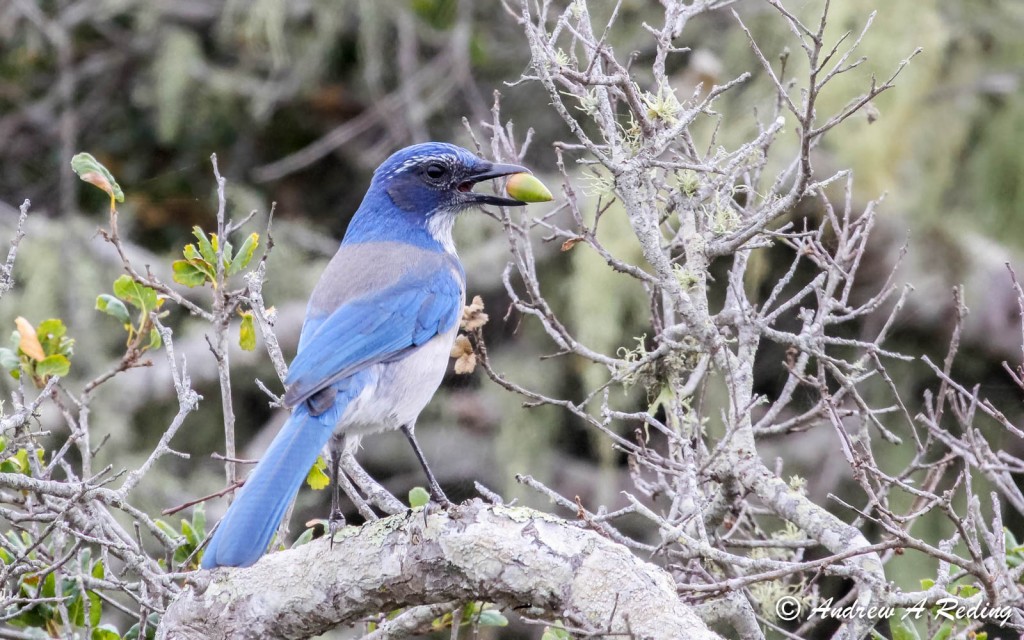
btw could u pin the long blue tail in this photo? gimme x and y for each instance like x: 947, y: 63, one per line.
x: 251, y: 520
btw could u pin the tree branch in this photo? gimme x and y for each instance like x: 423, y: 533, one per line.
x: 516, y: 557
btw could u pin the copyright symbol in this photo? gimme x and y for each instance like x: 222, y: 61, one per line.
x: 787, y: 608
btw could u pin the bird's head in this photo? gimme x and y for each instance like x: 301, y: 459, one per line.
x: 435, y: 177
x: 429, y: 184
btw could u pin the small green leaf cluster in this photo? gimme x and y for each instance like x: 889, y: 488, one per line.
x: 81, y: 604
x: 39, y: 352
x: 199, y: 266
x: 903, y: 629
x: 188, y: 539
x: 478, y: 614
x: 17, y: 462
x: 142, y: 335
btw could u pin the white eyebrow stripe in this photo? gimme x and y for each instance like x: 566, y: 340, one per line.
x: 446, y: 158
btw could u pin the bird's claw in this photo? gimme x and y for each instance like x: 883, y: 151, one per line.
x: 335, y: 523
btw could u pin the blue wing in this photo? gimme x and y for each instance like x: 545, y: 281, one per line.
x: 374, y: 328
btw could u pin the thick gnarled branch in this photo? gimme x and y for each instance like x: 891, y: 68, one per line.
x: 519, y: 558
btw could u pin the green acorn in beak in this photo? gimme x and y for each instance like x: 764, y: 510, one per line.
x: 525, y: 187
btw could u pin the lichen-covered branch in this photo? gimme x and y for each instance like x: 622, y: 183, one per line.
x: 519, y: 558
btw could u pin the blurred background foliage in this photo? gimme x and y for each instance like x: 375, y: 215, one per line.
x: 301, y: 100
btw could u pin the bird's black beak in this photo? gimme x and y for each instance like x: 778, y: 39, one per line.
x: 490, y: 171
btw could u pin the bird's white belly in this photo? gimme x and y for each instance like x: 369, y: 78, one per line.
x: 398, y: 391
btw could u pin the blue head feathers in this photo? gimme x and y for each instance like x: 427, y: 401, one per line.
x: 416, y: 194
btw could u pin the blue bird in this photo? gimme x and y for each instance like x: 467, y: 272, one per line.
x: 377, y: 335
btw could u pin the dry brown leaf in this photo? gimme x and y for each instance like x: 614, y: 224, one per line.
x: 29, y: 341
x: 463, y: 351
x: 461, y: 347
x: 473, y: 316
x: 570, y: 243
x: 465, y: 364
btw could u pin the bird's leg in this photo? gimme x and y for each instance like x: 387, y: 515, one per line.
x: 336, y: 520
x: 435, y: 488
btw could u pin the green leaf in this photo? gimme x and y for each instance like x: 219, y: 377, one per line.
x: 151, y: 624
x: 492, y: 618
x: 182, y: 553
x: 247, y: 333
x: 106, y: 632
x: 154, y: 339
x: 227, y: 252
x: 902, y: 630
x: 3, y: 444
x: 306, y: 536
x: 18, y: 463
x: 90, y: 170
x: 76, y: 610
x: 207, y: 248
x: 167, y: 529
x: 135, y: 294
x: 418, y: 497
x: 317, y: 478
x: 245, y: 253
x: 51, y: 329
x: 188, y: 274
x: 555, y: 633
x: 111, y: 306
x: 966, y: 590
x: 9, y: 360
x: 189, y: 532
x: 927, y: 583
x: 944, y: 631
x: 199, y: 520
x: 191, y: 253
x: 55, y: 365
x: 49, y: 589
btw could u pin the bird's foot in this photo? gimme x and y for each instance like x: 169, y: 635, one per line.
x: 437, y: 496
x: 335, y: 523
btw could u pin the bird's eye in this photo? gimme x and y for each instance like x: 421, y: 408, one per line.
x: 436, y: 171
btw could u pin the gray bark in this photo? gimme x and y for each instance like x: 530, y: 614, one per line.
x: 516, y: 557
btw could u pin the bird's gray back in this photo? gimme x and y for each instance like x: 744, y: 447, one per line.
x: 367, y: 267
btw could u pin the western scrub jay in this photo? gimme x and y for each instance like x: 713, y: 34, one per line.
x: 377, y: 335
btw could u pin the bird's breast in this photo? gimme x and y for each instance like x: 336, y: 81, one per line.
x: 399, y: 389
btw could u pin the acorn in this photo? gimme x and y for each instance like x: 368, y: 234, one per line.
x: 525, y: 187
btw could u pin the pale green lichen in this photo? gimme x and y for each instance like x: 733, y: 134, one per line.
x: 599, y: 184
x: 724, y: 218
x: 561, y: 58
x: 663, y: 106
x: 588, y: 102
x: 688, y: 182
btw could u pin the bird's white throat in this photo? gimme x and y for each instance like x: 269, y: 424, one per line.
x: 440, y: 225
